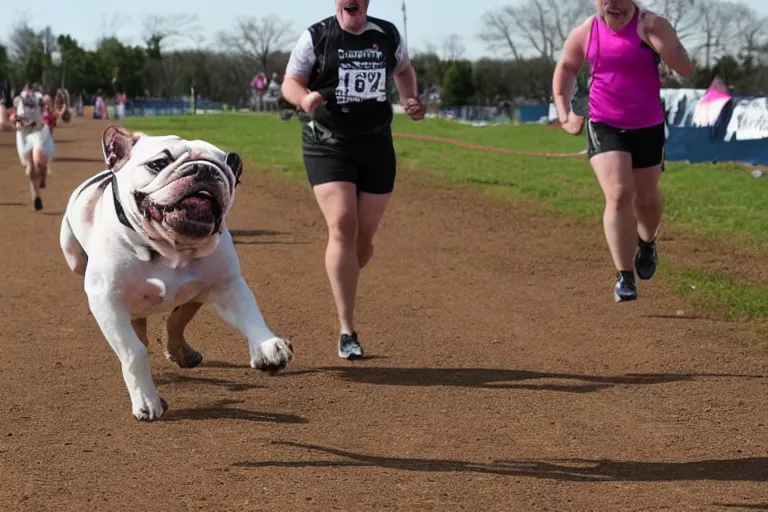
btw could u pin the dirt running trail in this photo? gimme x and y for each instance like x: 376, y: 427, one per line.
x: 501, y: 376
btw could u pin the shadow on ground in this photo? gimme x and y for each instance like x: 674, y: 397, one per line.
x: 572, y: 470
x: 509, y: 379
x: 224, y: 410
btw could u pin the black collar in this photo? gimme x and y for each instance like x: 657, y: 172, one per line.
x: 119, y: 210
x: 118, y: 205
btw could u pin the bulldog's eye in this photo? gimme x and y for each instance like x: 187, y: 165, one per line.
x: 160, y: 163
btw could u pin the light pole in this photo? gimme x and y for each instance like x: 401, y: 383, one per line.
x: 405, y: 25
x: 57, y: 58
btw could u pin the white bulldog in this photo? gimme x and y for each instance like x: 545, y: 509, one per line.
x: 149, y: 236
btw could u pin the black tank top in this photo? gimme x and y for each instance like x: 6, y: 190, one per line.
x: 352, y: 72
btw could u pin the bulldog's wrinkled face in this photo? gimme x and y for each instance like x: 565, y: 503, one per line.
x: 178, y: 190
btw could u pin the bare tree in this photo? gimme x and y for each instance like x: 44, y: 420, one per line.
x: 535, y: 26
x: 499, y: 32
x: 430, y: 49
x: 111, y: 25
x: 717, y: 28
x: 161, y: 32
x: 257, y: 39
x: 750, y: 31
x: 23, y: 40
x: 682, y: 15
x: 453, y: 48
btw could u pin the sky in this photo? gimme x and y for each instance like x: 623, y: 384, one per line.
x: 429, y: 21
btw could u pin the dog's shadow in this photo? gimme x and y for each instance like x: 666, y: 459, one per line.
x: 229, y: 385
x: 254, y: 232
x: 259, y: 237
x: 77, y: 159
x: 225, y: 410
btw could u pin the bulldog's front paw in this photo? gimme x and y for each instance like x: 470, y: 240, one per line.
x: 273, y: 356
x: 146, y: 408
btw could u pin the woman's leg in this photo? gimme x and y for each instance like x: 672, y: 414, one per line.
x: 648, y: 160
x: 34, y: 180
x: 40, y: 163
x: 353, y: 219
x: 25, y: 152
x: 613, y: 170
x: 370, y: 210
x: 339, y: 204
x: 649, y: 209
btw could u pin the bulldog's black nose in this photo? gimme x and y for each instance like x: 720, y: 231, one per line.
x: 206, y: 171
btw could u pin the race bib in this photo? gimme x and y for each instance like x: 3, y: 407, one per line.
x: 357, y: 85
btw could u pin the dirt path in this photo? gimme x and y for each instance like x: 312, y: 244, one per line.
x: 502, y: 377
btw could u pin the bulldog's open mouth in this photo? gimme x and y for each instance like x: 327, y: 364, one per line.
x: 194, y: 209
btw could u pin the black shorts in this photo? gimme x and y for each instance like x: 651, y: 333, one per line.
x: 368, y: 162
x: 646, y: 145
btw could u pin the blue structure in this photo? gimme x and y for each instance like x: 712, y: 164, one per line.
x: 533, y: 113
x: 695, y: 144
x: 163, y: 107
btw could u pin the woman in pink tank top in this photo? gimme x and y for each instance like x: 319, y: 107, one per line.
x: 624, y: 47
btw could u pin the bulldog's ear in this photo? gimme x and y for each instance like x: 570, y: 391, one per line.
x: 236, y: 164
x: 116, y: 144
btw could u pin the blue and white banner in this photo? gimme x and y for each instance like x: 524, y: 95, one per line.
x: 680, y: 105
x: 749, y: 120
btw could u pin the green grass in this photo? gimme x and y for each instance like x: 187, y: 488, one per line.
x: 719, y: 293
x: 722, y: 201
x: 527, y: 138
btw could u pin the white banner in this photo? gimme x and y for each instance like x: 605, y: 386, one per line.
x: 681, y: 104
x: 749, y: 120
x: 552, y: 117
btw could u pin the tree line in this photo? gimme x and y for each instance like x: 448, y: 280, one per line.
x: 726, y: 39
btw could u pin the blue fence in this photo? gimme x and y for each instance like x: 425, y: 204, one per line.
x: 163, y: 107
x: 739, y: 133
x: 504, y: 114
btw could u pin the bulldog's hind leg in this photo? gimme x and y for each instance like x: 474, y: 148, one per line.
x: 237, y: 306
x: 73, y: 251
x: 140, y: 327
x: 176, y: 348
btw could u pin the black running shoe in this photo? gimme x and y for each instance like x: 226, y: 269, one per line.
x: 646, y: 259
x: 349, y: 346
x: 626, y: 288
x: 38, y: 204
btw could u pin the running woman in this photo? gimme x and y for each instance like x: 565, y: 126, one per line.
x: 624, y: 46
x: 34, y: 143
x: 338, y: 74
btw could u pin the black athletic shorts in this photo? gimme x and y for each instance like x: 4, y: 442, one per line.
x: 369, y: 162
x: 646, y: 145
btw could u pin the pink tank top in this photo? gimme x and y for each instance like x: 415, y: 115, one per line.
x: 625, y: 88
